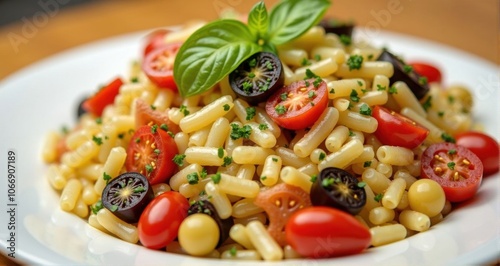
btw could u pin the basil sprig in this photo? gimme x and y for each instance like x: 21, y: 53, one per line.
x: 219, y: 47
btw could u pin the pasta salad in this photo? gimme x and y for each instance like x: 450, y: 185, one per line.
x: 276, y: 136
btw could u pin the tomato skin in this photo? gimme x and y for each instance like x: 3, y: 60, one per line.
x: 280, y: 213
x: 160, y: 221
x: 323, y: 232
x: 432, y: 73
x: 144, y: 115
x: 159, y: 64
x: 484, y: 146
x: 141, y: 152
x: 302, y: 113
x: 397, y: 130
x: 470, y: 173
x: 154, y: 40
x: 102, y: 98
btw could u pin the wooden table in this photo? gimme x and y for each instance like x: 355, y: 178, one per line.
x: 465, y: 24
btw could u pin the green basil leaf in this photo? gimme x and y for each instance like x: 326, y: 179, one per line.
x: 269, y: 47
x: 258, y: 20
x: 210, y: 54
x: 290, y: 19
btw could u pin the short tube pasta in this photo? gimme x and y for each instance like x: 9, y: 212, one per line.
x: 382, y: 235
x: 206, y: 115
x: 294, y: 177
x: 218, y: 133
x: 263, y: 242
x: 406, y: 98
x: 344, y: 156
x: 358, y: 121
x: 368, y: 70
x: 394, y: 193
x: 394, y: 155
x: 271, y: 170
x: 337, y: 137
x: 238, y: 186
x: 204, y: 156
x: 70, y: 194
x: 251, y: 154
x: 414, y: 220
x: 318, y: 133
x: 116, y: 226
x: 219, y: 199
x: 111, y: 168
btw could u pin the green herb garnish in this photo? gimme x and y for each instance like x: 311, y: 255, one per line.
x: 193, y: 178
x: 240, y: 132
x: 354, y: 62
x: 250, y: 113
x: 219, y: 47
x: 365, y: 109
x: 216, y: 178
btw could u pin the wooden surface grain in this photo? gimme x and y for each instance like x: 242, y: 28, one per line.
x: 469, y: 25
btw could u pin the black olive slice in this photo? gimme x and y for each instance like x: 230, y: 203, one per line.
x: 80, y: 111
x: 339, y: 189
x: 127, y: 195
x: 258, y: 77
x: 206, y: 207
x: 341, y: 28
x: 403, y: 72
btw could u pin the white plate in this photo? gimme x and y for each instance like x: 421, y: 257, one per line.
x: 44, y: 96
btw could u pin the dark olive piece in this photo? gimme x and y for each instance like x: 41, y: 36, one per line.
x: 258, y: 77
x: 127, y: 195
x: 402, y: 72
x: 80, y: 111
x: 338, y: 27
x: 339, y: 189
x: 206, y: 207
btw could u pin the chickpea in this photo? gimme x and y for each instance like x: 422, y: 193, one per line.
x: 198, y: 234
x: 426, y: 196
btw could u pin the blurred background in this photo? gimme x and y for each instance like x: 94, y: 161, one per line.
x: 31, y: 30
x: 34, y: 29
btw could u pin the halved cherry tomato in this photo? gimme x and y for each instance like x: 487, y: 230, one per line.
x: 146, y: 115
x: 159, y: 64
x: 154, y: 40
x: 299, y: 104
x: 102, y: 98
x: 397, y: 130
x: 484, y: 146
x: 150, y: 152
x: 280, y: 202
x: 161, y: 219
x: 432, y: 73
x: 457, y: 169
x: 322, y: 232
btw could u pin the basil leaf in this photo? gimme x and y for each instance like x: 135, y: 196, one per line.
x: 258, y: 20
x: 210, y: 54
x: 290, y: 19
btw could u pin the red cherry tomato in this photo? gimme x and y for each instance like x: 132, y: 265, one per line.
x: 299, y: 104
x: 427, y: 70
x: 323, y: 232
x: 280, y: 202
x: 161, y: 219
x: 484, y: 146
x: 145, y: 114
x: 397, y: 130
x: 150, y: 152
x: 159, y: 64
x: 458, y: 170
x: 102, y: 98
x: 154, y: 40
